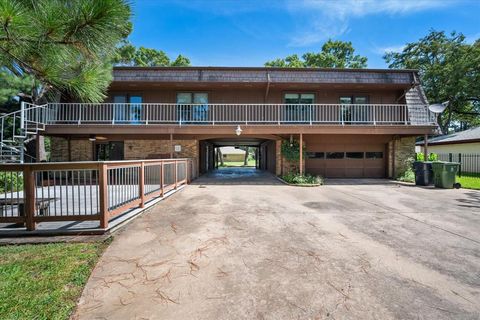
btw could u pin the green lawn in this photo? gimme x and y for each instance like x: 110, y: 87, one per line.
x: 469, y: 181
x: 251, y: 163
x: 44, y: 281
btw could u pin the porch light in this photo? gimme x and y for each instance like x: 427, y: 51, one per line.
x: 238, y: 131
x: 92, y: 138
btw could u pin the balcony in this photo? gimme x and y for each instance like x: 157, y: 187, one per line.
x: 241, y: 114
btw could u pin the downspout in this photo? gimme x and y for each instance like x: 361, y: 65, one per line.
x: 267, y: 89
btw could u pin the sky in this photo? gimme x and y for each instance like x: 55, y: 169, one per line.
x: 251, y: 32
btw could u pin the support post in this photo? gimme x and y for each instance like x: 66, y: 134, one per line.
x: 175, y: 174
x: 425, y: 147
x: 29, y: 198
x: 162, y: 174
x: 141, y: 182
x: 301, y: 153
x: 171, y: 146
x: 103, y: 194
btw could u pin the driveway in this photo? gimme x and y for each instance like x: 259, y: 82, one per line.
x: 258, y: 249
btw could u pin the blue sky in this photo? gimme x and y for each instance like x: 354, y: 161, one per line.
x: 251, y: 32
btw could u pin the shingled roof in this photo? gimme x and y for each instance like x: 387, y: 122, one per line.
x: 467, y: 136
x: 264, y: 75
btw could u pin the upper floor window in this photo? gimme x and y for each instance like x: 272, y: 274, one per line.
x: 359, y: 113
x: 192, y: 107
x: 299, y: 98
x: 127, y: 108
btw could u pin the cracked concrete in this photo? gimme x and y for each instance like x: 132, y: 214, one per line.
x: 368, y: 249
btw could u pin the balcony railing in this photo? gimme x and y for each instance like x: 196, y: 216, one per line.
x: 245, y: 114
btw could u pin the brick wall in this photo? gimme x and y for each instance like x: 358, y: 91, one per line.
x: 151, y: 149
x: 81, y: 150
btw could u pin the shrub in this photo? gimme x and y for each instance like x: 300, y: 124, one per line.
x: 407, y: 176
x: 11, y: 181
x: 295, y: 178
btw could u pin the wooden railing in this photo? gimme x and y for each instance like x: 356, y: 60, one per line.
x: 83, y: 191
x: 245, y: 114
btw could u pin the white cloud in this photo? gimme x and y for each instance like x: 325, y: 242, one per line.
x: 383, y: 50
x: 322, y: 19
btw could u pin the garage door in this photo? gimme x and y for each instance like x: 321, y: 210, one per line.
x: 350, y: 162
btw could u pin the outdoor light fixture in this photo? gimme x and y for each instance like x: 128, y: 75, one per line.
x: 92, y: 138
x: 238, y: 131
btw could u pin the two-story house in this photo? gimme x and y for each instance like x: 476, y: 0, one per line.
x: 353, y: 122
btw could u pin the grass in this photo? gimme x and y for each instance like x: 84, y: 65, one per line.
x: 44, y: 281
x: 469, y: 181
x: 251, y: 163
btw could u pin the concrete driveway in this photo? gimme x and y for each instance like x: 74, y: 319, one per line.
x: 258, y: 249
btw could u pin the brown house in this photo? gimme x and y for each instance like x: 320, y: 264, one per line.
x: 353, y: 123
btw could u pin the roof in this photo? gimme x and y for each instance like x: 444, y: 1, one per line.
x: 405, y: 77
x: 467, y: 136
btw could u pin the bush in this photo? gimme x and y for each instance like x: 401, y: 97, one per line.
x: 11, y: 181
x: 295, y: 178
x: 407, y: 176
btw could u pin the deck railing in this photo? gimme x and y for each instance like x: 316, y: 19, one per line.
x: 245, y: 114
x: 82, y: 191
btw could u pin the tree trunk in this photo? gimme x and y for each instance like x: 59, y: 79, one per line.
x: 245, y: 160
x: 220, y: 156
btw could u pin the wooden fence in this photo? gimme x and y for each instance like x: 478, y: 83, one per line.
x: 83, y: 191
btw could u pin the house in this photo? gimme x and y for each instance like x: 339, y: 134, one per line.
x: 354, y: 123
x: 232, y: 154
x: 467, y: 141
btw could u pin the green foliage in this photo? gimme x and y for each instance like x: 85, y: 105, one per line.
x: 420, y: 156
x: 407, y: 176
x: 450, y: 71
x: 64, y: 45
x: 129, y: 55
x: 469, y: 181
x: 10, y: 182
x: 334, y: 54
x: 295, y: 178
x: 12, y: 85
x: 291, y: 150
x: 44, y: 281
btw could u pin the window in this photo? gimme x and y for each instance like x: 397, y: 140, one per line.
x: 127, y: 108
x: 335, y: 155
x: 316, y: 155
x: 192, y: 107
x: 374, y: 155
x: 359, y: 113
x: 354, y: 155
x: 298, y: 109
x: 107, y: 151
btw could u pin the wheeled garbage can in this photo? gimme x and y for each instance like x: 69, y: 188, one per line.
x: 444, y: 174
x: 423, y: 173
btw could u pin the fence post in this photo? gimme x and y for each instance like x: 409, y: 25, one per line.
x: 175, y: 173
x: 162, y: 174
x: 142, y: 184
x: 186, y: 171
x: 450, y: 157
x: 29, y: 197
x: 103, y: 194
x: 460, y: 166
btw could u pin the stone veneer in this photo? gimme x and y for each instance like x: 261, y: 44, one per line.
x: 404, y: 154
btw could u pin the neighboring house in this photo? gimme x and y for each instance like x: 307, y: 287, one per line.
x: 353, y: 122
x: 232, y: 154
x: 467, y: 141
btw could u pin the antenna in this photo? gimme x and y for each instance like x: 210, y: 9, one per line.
x: 438, y: 107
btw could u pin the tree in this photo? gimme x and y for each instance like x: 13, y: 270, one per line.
x: 450, y: 71
x: 129, y: 55
x: 334, y: 54
x: 65, y: 46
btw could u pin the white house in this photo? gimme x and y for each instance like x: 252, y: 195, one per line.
x: 464, y: 142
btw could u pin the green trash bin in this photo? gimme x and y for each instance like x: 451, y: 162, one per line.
x: 444, y: 174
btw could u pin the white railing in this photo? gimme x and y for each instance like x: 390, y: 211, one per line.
x: 246, y: 114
